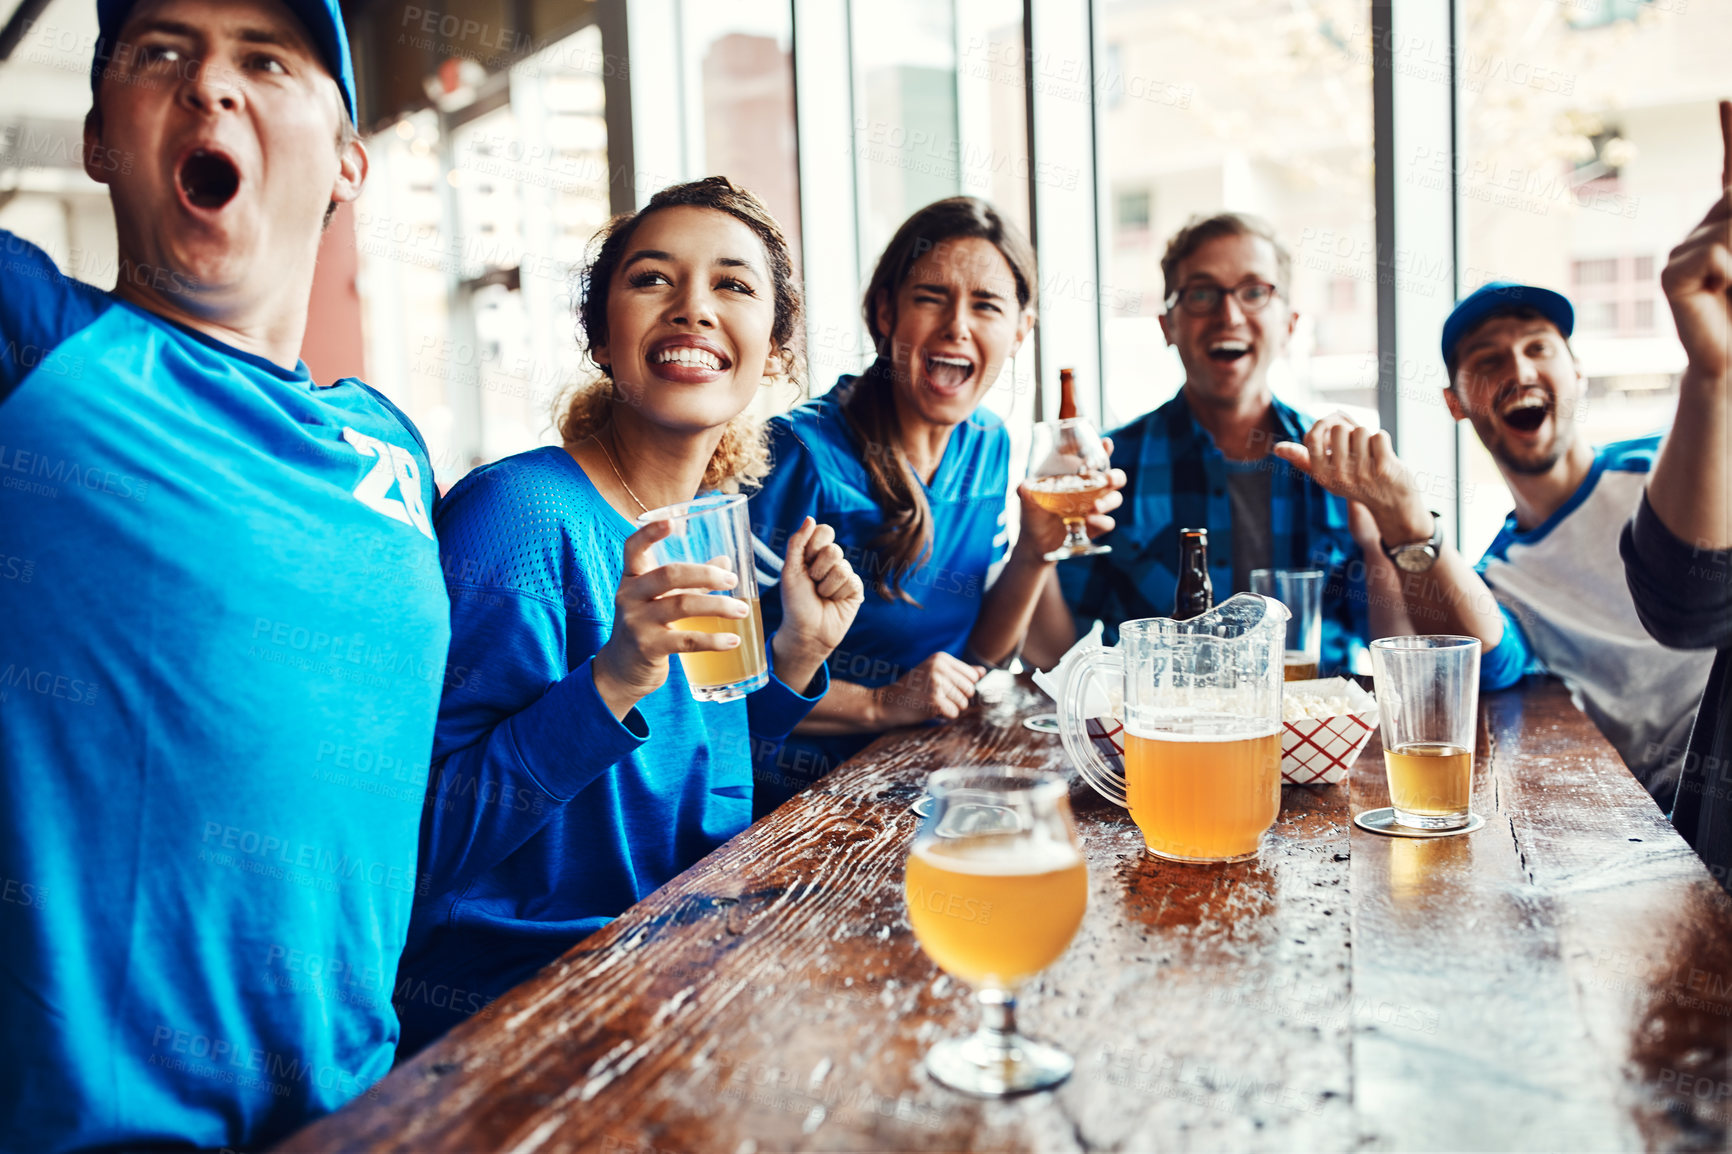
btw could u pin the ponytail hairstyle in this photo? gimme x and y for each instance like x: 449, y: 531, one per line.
x: 870, y: 407
x: 742, y: 456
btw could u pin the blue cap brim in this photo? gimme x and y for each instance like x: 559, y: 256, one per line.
x: 323, y: 20
x: 1497, y: 297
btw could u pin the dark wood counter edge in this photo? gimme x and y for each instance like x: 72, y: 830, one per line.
x: 1592, y: 876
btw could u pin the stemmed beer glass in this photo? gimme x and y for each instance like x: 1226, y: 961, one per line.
x: 1067, y: 474
x: 996, y: 888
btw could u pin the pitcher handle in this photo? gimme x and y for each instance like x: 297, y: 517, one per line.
x: 1087, y: 669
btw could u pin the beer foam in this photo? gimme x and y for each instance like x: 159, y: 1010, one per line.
x: 1205, y: 729
x: 1069, y: 483
x: 998, y: 856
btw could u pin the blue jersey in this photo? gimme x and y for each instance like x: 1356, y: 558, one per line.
x: 818, y: 472
x: 548, y: 816
x: 222, y: 636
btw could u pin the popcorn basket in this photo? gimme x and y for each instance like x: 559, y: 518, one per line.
x: 1325, y: 727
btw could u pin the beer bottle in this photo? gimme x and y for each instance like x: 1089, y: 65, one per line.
x: 1066, y: 394
x: 1196, y: 595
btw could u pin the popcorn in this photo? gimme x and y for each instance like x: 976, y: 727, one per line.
x: 1326, y: 725
x: 1295, y: 706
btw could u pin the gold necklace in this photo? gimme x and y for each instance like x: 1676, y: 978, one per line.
x: 616, y: 473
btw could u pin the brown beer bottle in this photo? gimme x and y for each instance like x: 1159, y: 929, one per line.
x: 1196, y: 595
x: 1066, y: 394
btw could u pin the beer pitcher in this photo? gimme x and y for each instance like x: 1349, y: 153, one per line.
x: 1202, y: 727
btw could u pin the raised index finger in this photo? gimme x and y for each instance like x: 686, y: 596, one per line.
x: 1726, y: 145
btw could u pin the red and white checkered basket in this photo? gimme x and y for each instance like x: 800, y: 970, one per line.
x: 1320, y: 750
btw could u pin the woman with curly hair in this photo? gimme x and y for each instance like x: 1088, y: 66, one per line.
x: 573, y: 772
x: 913, y: 473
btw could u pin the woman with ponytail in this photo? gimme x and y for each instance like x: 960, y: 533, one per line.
x: 913, y: 474
x: 573, y: 772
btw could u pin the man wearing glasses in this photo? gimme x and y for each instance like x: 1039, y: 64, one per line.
x: 1202, y: 460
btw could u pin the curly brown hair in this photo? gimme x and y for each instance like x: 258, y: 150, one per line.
x: 742, y: 457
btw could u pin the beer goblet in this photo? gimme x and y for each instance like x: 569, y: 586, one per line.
x: 1067, y: 474
x: 996, y: 888
x: 715, y: 531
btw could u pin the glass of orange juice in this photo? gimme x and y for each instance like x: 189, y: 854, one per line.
x: 1428, y: 695
x: 996, y: 889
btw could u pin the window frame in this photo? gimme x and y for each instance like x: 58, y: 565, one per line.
x: 1413, y: 111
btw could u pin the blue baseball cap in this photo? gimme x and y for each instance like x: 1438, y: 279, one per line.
x: 323, y: 20
x: 1502, y: 296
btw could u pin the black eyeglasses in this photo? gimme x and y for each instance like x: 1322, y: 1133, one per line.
x: 1202, y: 299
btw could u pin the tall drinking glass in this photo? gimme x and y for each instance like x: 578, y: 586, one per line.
x: 1301, y: 591
x: 996, y: 889
x: 716, y: 531
x: 1067, y: 474
x: 1428, y: 694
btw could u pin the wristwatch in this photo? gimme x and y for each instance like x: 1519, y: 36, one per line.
x: 1421, y: 555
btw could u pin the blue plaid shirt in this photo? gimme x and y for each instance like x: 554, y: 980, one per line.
x: 1175, y: 478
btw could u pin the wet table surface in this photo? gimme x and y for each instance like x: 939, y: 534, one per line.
x: 1560, y: 979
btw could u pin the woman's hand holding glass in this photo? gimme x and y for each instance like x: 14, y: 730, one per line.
x: 821, y: 593
x: 634, y: 662
x: 1070, y: 489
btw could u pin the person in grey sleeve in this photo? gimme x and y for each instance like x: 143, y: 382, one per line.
x: 1678, y: 547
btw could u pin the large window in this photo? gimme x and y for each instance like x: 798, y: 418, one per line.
x: 45, y: 195
x: 1587, y: 152
x: 939, y: 111
x: 470, y: 229
x: 741, y: 106
x: 738, y: 78
x: 907, y: 141
x: 1583, y: 151
x: 1260, y: 106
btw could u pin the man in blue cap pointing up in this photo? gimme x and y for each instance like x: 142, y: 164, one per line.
x: 218, y: 685
x: 1550, y: 591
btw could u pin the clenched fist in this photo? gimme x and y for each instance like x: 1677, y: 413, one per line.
x: 821, y: 593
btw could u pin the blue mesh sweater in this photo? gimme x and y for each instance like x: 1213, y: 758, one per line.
x: 546, y: 815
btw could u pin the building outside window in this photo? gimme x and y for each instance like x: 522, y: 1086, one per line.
x: 1257, y: 106
x: 1587, y: 152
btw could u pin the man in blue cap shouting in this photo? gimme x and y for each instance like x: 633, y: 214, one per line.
x: 220, y: 680
x: 1550, y: 591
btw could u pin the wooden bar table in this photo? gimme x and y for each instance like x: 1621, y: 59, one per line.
x: 1560, y: 979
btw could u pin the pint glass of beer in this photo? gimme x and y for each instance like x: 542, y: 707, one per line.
x: 715, y: 531
x: 1301, y: 591
x: 996, y: 889
x: 1428, y: 695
